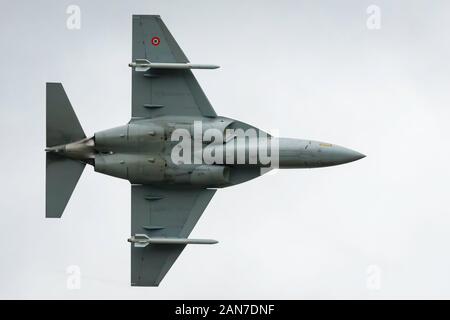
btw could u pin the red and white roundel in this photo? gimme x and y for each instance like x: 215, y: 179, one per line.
x: 156, y: 41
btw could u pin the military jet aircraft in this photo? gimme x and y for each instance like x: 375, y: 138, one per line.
x: 172, y: 181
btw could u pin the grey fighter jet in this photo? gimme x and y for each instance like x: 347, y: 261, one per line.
x: 172, y: 180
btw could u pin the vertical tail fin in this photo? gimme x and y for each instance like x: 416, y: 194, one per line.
x: 63, y: 127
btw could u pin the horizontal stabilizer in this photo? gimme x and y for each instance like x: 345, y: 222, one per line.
x: 62, y: 124
x: 62, y: 175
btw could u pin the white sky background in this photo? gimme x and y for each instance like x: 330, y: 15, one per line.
x: 311, y: 69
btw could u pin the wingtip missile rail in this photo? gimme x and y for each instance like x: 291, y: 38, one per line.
x: 143, y: 65
x: 142, y: 240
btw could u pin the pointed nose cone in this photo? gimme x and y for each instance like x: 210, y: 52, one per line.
x: 296, y: 153
x: 341, y: 155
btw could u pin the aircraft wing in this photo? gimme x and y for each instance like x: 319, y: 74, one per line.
x: 159, y: 92
x: 158, y: 213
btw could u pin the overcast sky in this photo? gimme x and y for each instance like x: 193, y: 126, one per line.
x: 375, y: 228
